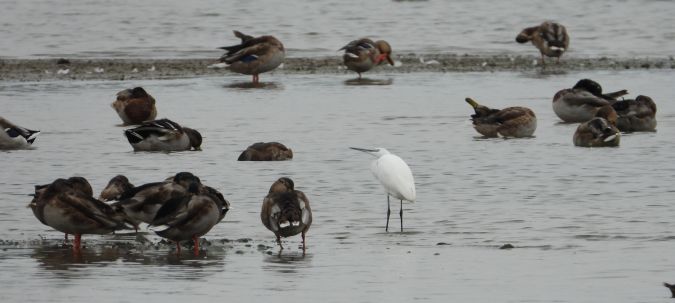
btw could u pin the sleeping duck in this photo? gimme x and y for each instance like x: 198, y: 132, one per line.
x: 581, y: 102
x: 254, y: 55
x: 134, y: 106
x: 363, y: 54
x: 601, y: 131
x: 16, y: 137
x: 191, y: 216
x: 266, y: 151
x: 549, y: 37
x: 285, y: 211
x: 637, y: 115
x: 117, y: 186
x: 517, y: 122
x: 141, y: 203
x: 68, y: 206
x: 163, y: 135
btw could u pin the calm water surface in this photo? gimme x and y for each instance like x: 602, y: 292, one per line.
x: 174, y: 28
x: 589, y: 225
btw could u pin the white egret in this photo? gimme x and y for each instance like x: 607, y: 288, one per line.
x: 394, y: 175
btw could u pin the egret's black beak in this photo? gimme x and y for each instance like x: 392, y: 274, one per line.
x: 365, y: 150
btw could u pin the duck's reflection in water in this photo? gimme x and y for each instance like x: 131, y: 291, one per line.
x: 287, y: 261
x: 368, y: 81
x: 251, y: 85
x: 63, y: 262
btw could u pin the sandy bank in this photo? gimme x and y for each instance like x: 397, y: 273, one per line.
x: 127, y: 69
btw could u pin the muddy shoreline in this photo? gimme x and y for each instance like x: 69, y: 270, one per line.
x: 130, y: 69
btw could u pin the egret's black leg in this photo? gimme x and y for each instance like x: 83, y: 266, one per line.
x: 400, y: 214
x: 386, y: 228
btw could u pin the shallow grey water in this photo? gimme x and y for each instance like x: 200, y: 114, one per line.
x: 159, y: 28
x: 589, y: 224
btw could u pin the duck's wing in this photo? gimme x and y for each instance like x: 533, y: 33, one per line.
x: 93, y: 209
x: 134, y: 191
x: 174, y: 211
x: 249, y: 51
x: 306, y: 209
x: 270, y: 212
x: 615, y: 95
x: 357, y: 47
x: 584, y: 98
x: 511, y: 113
x: 15, y: 131
x: 159, y: 128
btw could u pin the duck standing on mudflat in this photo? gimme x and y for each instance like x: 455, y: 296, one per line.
x: 254, y: 55
x: 163, y: 135
x: 363, y: 54
x: 516, y: 122
x: 68, y: 206
x: 134, y: 106
x: 192, y: 216
x: 266, y: 151
x: 600, y: 131
x: 581, y: 102
x: 637, y: 115
x: 15, y: 137
x: 285, y: 211
x: 550, y: 38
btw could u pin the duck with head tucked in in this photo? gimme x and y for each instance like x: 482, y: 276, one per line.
x: 254, y: 55
x: 16, y: 137
x: 601, y: 131
x: 141, y: 203
x: 135, y: 106
x: 550, y: 38
x: 363, y: 54
x: 515, y: 122
x: 68, y: 206
x: 117, y: 186
x: 192, y: 216
x: 285, y: 211
x: 163, y: 135
x: 581, y: 102
x: 637, y: 115
x: 266, y: 151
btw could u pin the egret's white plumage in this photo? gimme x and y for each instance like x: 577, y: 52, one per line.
x: 394, y: 175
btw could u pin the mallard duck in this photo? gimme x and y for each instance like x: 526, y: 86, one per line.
x: 549, y: 37
x: 517, y: 122
x: 581, y: 102
x: 141, y: 203
x: 191, y: 216
x: 266, y: 151
x: 16, y: 137
x: 68, y: 206
x: 135, y: 105
x: 285, y: 211
x: 637, y: 115
x: 601, y: 131
x: 363, y: 54
x: 254, y: 55
x: 117, y: 186
x: 163, y: 135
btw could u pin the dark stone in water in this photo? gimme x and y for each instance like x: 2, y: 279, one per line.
x: 63, y: 61
x: 244, y: 240
x: 507, y: 246
x: 443, y: 243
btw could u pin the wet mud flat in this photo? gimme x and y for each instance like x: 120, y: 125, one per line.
x: 135, y: 69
